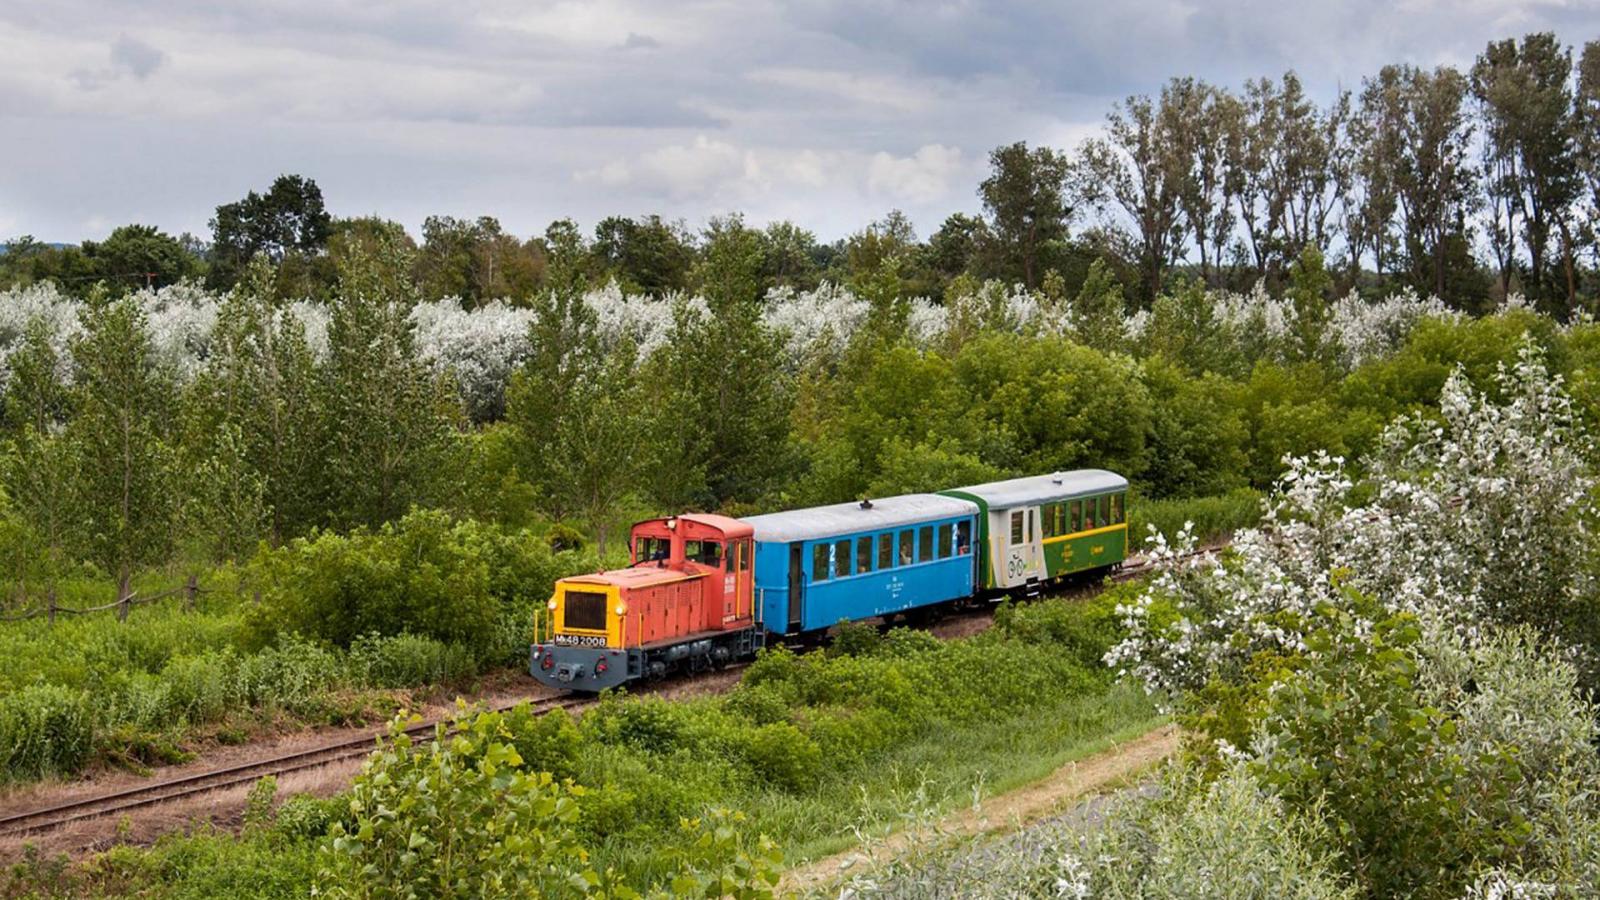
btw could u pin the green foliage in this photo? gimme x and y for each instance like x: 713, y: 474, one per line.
x: 1213, y: 517
x: 123, y: 458
x: 389, y: 417
x: 44, y: 730
x: 457, y: 583
x: 477, y: 822
x: 480, y: 821
x: 1411, y: 810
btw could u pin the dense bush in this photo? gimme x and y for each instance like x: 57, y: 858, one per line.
x: 456, y: 583
x: 44, y: 730
x: 1212, y: 517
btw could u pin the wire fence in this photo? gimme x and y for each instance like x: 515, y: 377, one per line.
x: 190, y: 590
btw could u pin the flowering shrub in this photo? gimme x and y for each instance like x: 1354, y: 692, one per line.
x: 1479, y: 515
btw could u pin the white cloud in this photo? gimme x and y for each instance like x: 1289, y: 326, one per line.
x: 923, y: 177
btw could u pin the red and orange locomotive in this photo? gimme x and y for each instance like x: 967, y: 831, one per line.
x: 685, y: 601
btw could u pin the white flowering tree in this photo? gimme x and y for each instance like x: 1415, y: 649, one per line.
x: 1481, y: 515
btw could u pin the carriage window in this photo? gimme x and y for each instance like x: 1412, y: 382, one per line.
x: 841, y: 558
x: 1060, y: 518
x: 819, y: 562
x: 1088, y: 513
x: 906, y: 544
x: 925, y: 543
x: 886, y: 550
x: 1077, y: 515
x: 1016, y: 527
x: 964, y: 538
x: 1105, y: 511
x: 1033, y: 516
x: 945, y: 550
x: 1116, y: 509
x: 863, y: 555
x: 1047, y: 520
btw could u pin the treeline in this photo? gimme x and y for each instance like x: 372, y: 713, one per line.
x: 1470, y: 185
x: 179, y: 427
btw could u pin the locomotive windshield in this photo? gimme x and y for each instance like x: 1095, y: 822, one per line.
x: 586, y: 610
x: 651, y: 549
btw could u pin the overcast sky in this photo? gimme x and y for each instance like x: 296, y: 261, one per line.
x: 827, y: 112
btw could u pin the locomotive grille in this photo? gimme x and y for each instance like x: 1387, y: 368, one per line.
x: 585, y: 610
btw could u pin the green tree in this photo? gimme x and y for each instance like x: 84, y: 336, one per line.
x: 598, y: 456
x: 1029, y: 205
x: 1524, y: 93
x: 1309, y: 285
x: 564, y: 352
x: 648, y: 256
x: 260, y: 390
x: 122, y: 400
x: 1136, y: 166
x: 1586, y: 123
x: 388, y: 419
x: 39, y: 474
x: 136, y: 256
x: 1098, y: 310
x: 726, y: 398
x: 288, y: 223
x: 474, y: 261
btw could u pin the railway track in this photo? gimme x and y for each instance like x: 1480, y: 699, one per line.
x: 49, y: 818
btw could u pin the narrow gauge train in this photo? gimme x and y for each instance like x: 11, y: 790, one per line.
x: 703, y: 590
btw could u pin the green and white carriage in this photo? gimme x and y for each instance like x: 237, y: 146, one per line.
x: 1041, y: 528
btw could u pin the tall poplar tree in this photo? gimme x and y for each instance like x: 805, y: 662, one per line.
x: 123, y: 402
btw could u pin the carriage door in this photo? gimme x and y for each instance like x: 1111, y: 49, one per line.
x: 797, y: 584
x: 1020, y: 531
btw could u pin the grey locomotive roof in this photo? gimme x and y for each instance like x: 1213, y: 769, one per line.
x: 1046, y: 488
x: 849, y: 518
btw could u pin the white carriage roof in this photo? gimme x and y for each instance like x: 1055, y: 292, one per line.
x: 850, y: 518
x: 1046, y: 488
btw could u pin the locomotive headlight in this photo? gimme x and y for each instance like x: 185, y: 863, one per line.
x: 552, y: 604
x: 622, y: 609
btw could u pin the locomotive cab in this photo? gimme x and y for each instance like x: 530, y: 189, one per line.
x: 685, y: 601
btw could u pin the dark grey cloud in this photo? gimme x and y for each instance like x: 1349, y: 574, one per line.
x: 827, y: 111
x: 130, y: 58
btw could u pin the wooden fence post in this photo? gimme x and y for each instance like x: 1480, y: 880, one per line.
x: 123, y: 597
x: 191, y: 589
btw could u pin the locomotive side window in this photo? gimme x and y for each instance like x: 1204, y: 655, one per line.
x: 1016, y: 528
x: 944, y: 542
x: 819, y: 562
x: 1077, y: 515
x: 746, y: 551
x: 841, y: 558
x: 964, y: 538
x: 886, y: 550
x: 863, y: 555
x: 925, y: 543
x: 1116, y: 509
x: 707, y: 553
x: 906, y: 543
x: 650, y: 549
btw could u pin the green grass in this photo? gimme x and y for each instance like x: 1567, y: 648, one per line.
x: 949, y: 771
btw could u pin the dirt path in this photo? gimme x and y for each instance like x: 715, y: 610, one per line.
x: 1066, y: 785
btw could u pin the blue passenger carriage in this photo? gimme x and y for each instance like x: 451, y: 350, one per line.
x: 850, y: 561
